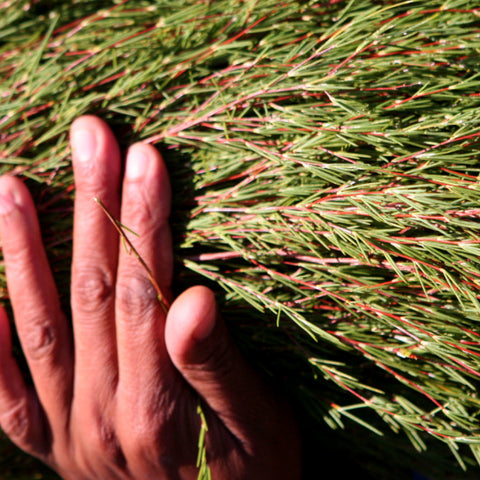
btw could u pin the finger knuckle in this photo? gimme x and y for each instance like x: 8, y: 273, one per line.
x: 17, y: 425
x: 136, y: 297
x: 143, y: 209
x: 20, y: 256
x: 102, y: 444
x: 39, y: 337
x: 92, y: 289
x: 110, y: 446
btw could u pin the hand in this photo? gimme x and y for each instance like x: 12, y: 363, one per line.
x: 115, y: 397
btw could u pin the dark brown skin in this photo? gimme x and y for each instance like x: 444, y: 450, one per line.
x: 116, y: 398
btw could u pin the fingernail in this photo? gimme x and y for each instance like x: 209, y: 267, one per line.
x: 7, y: 203
x: 137, y: 163
x: 84, y: 144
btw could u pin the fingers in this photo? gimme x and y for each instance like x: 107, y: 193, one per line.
x: 43, y: 331
x: 139, y: 315
x: 202, y: 350
x: 20, y: 418
x: 96, y: 162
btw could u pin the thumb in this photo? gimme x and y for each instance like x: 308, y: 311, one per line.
x: 202, y: 350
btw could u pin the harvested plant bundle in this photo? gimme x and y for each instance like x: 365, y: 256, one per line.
x: 325, y: 163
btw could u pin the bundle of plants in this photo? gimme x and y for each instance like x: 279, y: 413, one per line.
x: 324, y: 157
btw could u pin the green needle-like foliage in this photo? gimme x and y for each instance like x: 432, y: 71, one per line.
x: 325, y: 163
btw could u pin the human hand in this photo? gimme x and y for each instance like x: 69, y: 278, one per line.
x: 115, y: 397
